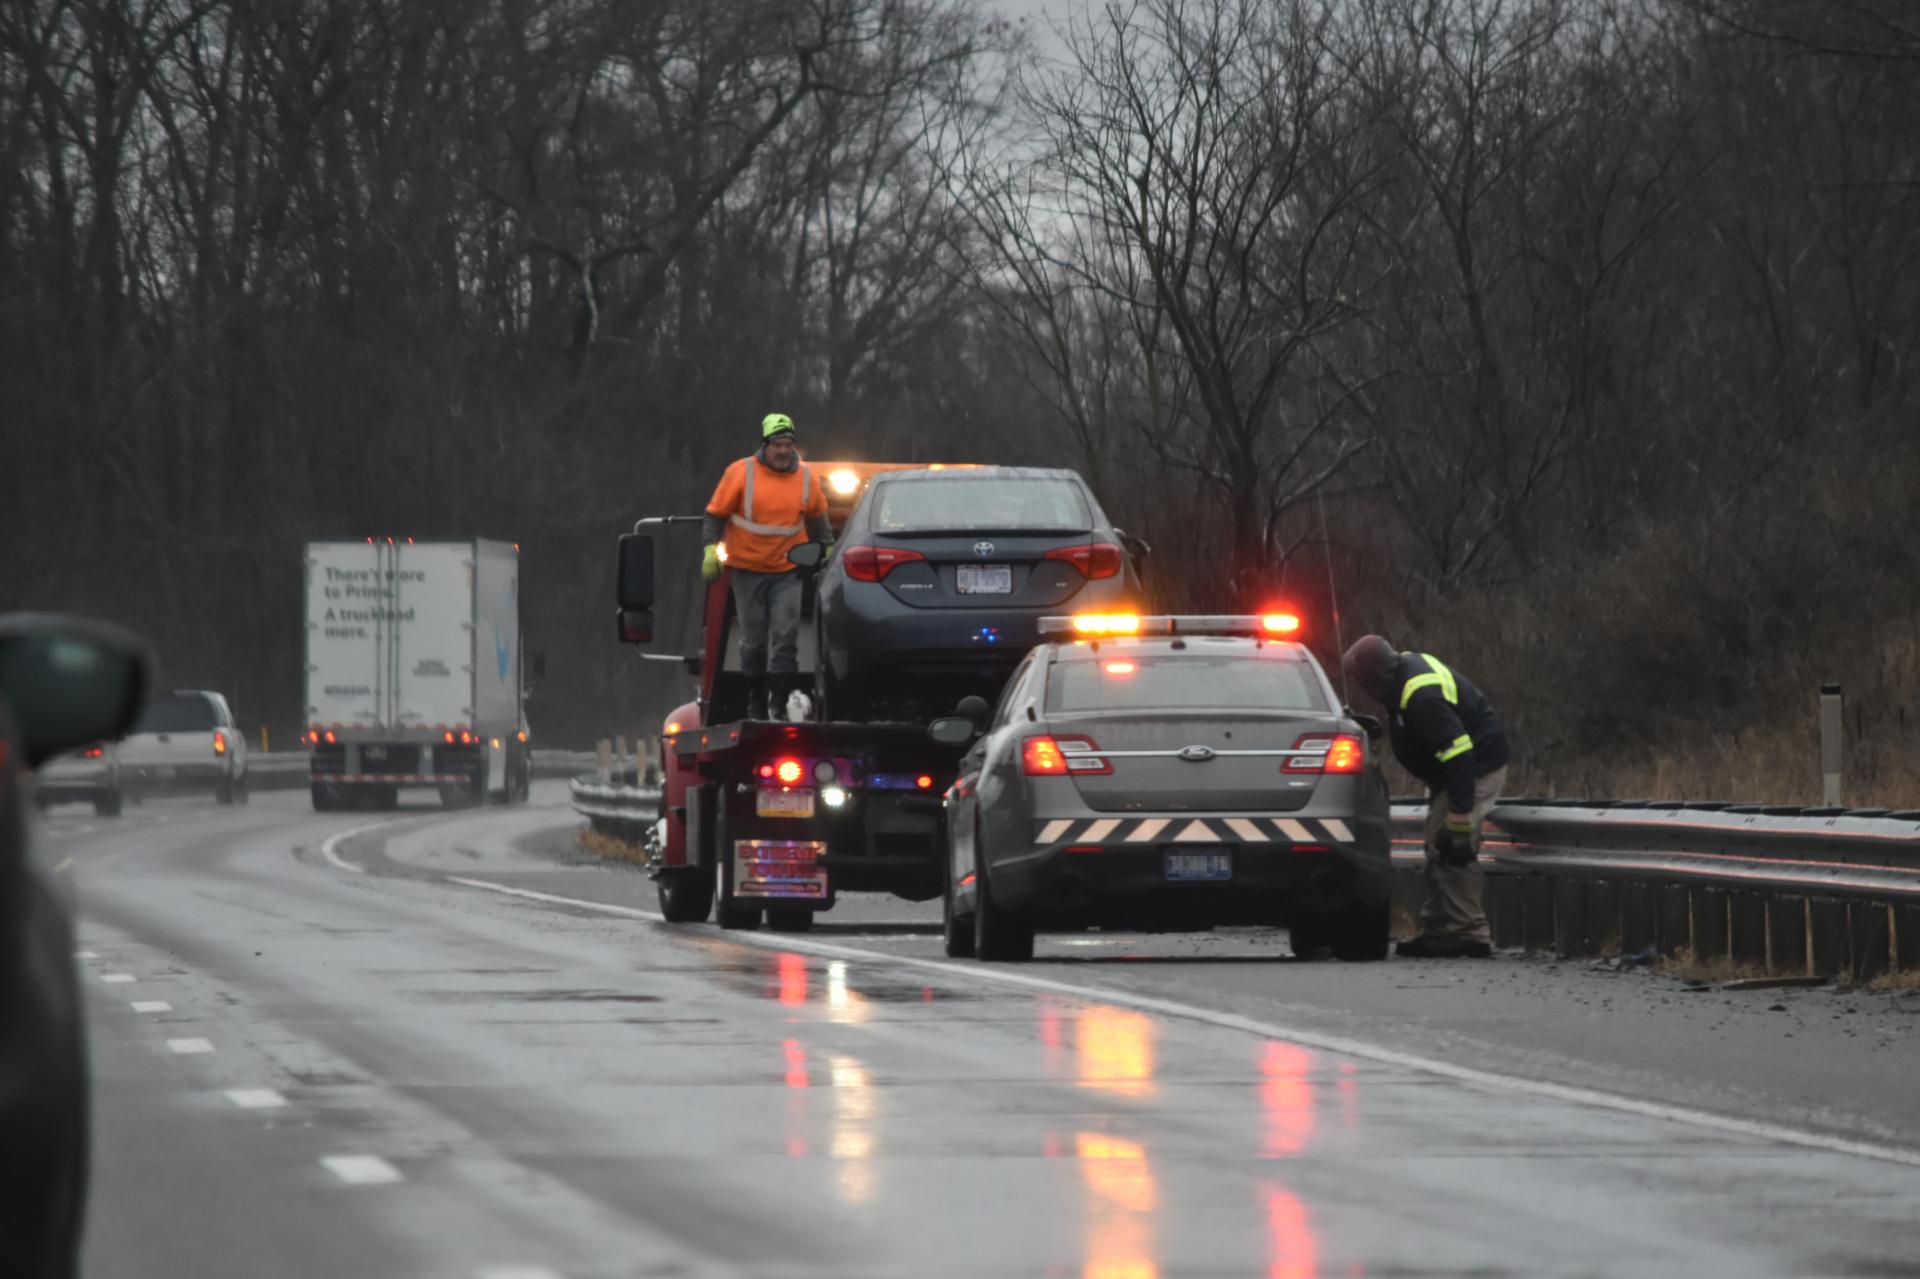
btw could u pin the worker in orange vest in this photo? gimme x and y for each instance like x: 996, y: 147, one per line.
x: 766, y: 504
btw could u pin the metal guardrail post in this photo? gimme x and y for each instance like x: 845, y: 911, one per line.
x: 603, y: 750
x: 1831, y: 721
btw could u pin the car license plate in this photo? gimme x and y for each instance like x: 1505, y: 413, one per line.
x: 780, y: 868
x: 1187, y: 867
x: 784, y: 803
x: 985, y: 579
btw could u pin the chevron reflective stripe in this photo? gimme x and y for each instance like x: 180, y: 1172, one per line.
x: 1192, y: 830
x: 1458, y: 746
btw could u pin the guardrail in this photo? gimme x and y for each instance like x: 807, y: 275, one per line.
x: 1784, y: 891
x: 623, y: 810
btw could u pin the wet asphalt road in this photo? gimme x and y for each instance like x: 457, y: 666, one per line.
x: 452, y: 1045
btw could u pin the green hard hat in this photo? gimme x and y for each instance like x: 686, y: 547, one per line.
x: 774, y: 423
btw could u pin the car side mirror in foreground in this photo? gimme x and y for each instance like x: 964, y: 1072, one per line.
x: 953, y: 730
x: 807, y: 555
x: 69, y: 682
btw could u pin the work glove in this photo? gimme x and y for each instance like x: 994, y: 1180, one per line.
x: 826, y: 556
x: 1454, y: 841
x: 710, y: 562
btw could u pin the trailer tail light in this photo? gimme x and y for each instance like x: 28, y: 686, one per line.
x: 1057, y: 756
x: 873, y: 563
x: 447, y: 737
x: 331, y: 739
x: 219, y: 742
x: 787, y: 772
x: 1095, y: 560
x: 924, y: 781
x: 1327, y: 754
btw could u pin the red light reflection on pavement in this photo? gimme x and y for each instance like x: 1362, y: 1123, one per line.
x: 1296, y: 1253
x: 1287, y: 1098
x: 793, y: 980
x: 796, y: 1064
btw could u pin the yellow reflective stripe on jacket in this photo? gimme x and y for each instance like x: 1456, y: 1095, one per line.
x: 745, y: 519
x: 1438, y: 674
x: 1459, y: 746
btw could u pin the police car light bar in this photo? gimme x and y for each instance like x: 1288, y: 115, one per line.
x: 1101, y: 625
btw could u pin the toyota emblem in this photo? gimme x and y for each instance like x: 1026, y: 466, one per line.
x: 1196, y: 754
x: 983, y: 549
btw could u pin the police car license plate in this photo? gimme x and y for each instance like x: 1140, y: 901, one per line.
x: 784, y: 803
x: 985, y: 579
x: 1190, y: 866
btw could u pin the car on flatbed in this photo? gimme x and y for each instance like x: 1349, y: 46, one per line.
x: 942, y: 575
x: 1166, y: 774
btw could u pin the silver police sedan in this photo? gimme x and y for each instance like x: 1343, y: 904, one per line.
x: 1166, y: 774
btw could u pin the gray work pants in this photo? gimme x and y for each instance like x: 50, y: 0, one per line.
x: 768, y: 608
x: 1453, y: 908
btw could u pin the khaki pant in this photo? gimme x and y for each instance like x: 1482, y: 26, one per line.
x: 1453, y: 908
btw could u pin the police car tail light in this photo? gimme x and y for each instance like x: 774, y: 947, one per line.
x: 1326, y: 753
x: 1042, y: 757
x: 1058, y: 756
x: 1095, y: 560
x: 1347, y: 755
x: 873, y: 563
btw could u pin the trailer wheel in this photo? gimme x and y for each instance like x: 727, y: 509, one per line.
x: 789, y: 919
x: 685, y: 897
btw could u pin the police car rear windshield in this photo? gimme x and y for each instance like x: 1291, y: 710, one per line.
x: 1002, y: 504
x: 1118, y: 681
x: 176, y: 713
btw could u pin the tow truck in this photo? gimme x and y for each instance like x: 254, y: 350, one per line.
x: 769, y: 817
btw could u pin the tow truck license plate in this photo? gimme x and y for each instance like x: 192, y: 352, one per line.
x: 985, y: 579
x: 1214, y: 864
x: 784, y: 803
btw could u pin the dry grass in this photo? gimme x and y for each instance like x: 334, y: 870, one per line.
x: 1683, y: 965
x: 1908, y: 980
x: 610, y: 848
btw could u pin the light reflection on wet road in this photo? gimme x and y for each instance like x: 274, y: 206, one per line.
x: 609, y: 1097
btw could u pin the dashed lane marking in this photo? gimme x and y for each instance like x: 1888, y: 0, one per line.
x: 516, y: 1272
x: 254, y: 1098
x: 1572, y: 1094
x: 190, y: 1046
x: 362, y: 1170
x: 116, y: 979
x: 152, y: 1006
x: 85, y: 954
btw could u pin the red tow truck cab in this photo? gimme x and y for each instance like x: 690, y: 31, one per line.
x: 770, y: 817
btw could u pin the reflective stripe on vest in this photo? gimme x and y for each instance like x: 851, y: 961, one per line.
x: 745, y: 518
x: 1461, y: 745
x: 1440, y: 675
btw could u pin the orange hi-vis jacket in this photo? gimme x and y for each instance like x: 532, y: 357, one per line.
x: 766, y: 512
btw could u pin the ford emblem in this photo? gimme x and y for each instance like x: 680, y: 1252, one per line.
x: 983, y: 549
x: 1196, y: 754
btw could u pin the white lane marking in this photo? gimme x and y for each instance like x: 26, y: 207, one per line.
x: 85, y: 954
x: 517, y: 1272
x: 190, y: 1045
x: 362, y: 1170
x: 116, y: 979
x: 1100, y: 830
x: 1573, y: 1094
x: 330, y: 847
x: 1054, y: 830
x: 1196, y: 832
x: 1294, y: 831
x: 152, y: 1006
x: 1246, y: 830
x: 254, y: 1098
x: 1147, y: 830
x: 1341, y: 832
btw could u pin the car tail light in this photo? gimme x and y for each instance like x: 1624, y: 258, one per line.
x: 93, y: 752
x: 1328, y: 754
x: 1094, y: 559
x: 219, y: 742
x: 873, y: 563
x: 1057, y: 756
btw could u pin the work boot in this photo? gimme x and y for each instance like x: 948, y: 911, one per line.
x: 757, y: 698
x: 1439, y: 946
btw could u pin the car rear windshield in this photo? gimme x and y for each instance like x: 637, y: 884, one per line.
x: 176, y: 713
x: 958, y: 504
x: 1130, y: 682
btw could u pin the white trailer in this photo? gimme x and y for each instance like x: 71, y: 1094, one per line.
x: 414, y: 672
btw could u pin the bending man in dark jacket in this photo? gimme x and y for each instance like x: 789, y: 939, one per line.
x: 1447, y: 734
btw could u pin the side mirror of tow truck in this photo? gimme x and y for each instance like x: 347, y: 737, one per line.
x: 964, y: 725
x: 633, y: 589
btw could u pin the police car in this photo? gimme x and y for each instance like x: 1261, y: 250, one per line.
x: 1166, y: 774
